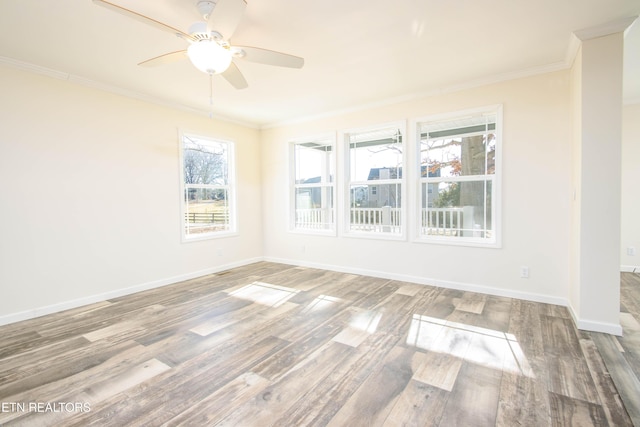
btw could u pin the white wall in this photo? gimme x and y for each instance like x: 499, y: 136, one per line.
x: 576, y: 189
x: 536, y: 197
x: 596, y: 161
x: 89, y: 198
x: 89, y: 193
x: 630, y: 236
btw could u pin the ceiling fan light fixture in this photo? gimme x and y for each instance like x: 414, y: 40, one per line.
x: 209, y: 57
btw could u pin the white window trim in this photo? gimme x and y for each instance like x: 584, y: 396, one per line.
x: 345, y: 180
x: 496, y: 179
x: 231, y: 185
x: 291, y: 220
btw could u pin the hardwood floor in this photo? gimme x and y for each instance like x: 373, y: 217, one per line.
x: 622, y: 354
x: 272, y: 344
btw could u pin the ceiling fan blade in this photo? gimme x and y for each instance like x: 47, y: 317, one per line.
x: 235, y: 77
x: 226, y: 16
x: 142, y: 18
x: 167, y: 58
x: 268, y: 57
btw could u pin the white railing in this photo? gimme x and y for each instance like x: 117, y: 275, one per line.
x: 314, y: 219
x: 442, y: 221
x: 385, y: 219
x: 433, y: 221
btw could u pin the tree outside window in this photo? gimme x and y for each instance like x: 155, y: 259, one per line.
x: 458, y: 178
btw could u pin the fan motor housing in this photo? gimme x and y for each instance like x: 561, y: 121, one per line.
x: 205, y: 7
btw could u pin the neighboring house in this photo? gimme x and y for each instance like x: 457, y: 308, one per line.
x: 385, y: 194
x: 309, y: 198
x: 377, y: 196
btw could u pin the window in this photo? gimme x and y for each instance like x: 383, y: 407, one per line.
x: 313, y: 164
x: 375, y: 183
x: 208, y: 191
x: 458, y: 186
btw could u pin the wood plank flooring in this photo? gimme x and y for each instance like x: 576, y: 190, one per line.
x: 277, y: 345
x: 621, y: 355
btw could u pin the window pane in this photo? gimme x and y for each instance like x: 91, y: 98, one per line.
x: 313, y: 163
x: 375, y: 155
x: 376, y: 208
x: 207, y: 210
x: 458, y: 156
x: 460, y: 209
x: 459, y: 147
x: 314, y: 208
x: 207, y: 186
x: 491, y: 153
x: 205, y: 162
x: 313, y: 195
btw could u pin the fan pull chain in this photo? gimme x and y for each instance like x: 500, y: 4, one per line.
x: 211, y: 95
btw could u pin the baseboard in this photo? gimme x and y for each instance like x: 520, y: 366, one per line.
x: 67, y: 305
x: 583, y: 324
x: 470, y: 287
x: 630, y: 268
x: 609, y: 328
x: 592, y: 326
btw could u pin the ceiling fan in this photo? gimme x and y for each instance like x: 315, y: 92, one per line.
x: 209, y: 49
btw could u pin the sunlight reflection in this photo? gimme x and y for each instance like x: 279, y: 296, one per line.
x: 265, y: 293
x: 361, y: 326
x: 321, y: 303
x: 366, y: 321
x: 486, y: 347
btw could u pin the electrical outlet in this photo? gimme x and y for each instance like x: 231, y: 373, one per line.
x: 631, y: 251
x: 303, y: 249
x: 219, y: 251
x: 524, y: 272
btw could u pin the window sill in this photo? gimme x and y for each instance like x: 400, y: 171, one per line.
x: 208, y: 236
x: 374, y: 236
x: 311, y: 232
x: 459, y: 241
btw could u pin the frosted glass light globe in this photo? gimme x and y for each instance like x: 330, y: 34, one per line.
x: 209, y: 57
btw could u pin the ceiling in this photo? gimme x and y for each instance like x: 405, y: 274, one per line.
x: 357, y: 52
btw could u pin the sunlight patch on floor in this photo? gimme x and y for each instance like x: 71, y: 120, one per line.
x: 265, y: 293
x: 486, y: 347
x: 366, y: 321
x: 321, y: 303
x: 361, y: 326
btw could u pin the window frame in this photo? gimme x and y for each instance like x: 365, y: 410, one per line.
x: 230, y: 187
x: 346, y: 182
x: 495, y: 179
x: 323, y: 138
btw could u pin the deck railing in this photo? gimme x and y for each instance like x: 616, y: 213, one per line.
x: 314, y: 219
x: 384, y: 219
x: 442, y: 221
x: 433, y: 221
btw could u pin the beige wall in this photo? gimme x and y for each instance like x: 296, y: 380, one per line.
x: 90, y: 201
x: 597, y: 142
x: 536, y: 185
x: 576, y: 183
x: 630, y: 187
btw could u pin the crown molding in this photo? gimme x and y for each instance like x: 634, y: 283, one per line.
x: 612, y: 27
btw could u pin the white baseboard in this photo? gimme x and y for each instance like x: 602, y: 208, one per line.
x: 548, y: 299
x: 630, y: 268
x: 66, y: 305
x: 583, y: 324
x: 610, y: 328
x: 591, y: 326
